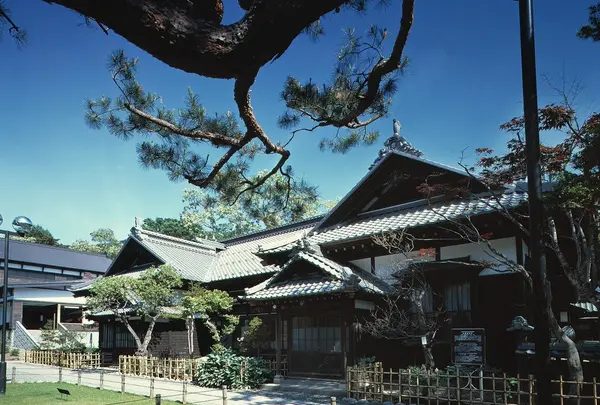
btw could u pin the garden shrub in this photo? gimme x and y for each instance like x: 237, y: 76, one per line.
x: 235, y: 372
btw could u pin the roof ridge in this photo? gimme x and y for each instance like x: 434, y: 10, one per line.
x: 170, y: 238
x: 64, y: 248
x: 272, y: 231
x: 399, y: 208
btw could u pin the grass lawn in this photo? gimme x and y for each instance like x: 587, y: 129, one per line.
x: 46, y: 394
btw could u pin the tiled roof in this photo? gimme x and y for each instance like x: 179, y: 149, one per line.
x: 586, y: 306
x: 192, y: 260
x: 299, y: 288
x: 387, y: 220
x: 58, y: 257
x: 335, y: 278
x: 238, y: 259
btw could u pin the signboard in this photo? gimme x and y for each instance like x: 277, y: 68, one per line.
x: 468, y: 346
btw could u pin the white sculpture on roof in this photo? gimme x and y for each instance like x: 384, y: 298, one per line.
x: 396, y: 143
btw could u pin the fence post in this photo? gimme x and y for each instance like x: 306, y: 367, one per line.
x: 14, y: 375
x: 184, y: 396
x: 79, y: 377
x: 101, y: 379
x: 122, y: 383
x: 60, y: 374
x: 224, y: 389
x: 333, y: 401
x: 157, y: 399
x: 152, y: 387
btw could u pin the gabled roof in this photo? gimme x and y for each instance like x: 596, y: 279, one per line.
x: 191, y: 260
x: 239, y: 259
x: 333, y: 278
x: 412, y: 216
x: 379, y: 179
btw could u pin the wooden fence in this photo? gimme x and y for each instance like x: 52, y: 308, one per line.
x: 63, y: 359
x: 179, y: 369
x: 271, y: 362
x: 465, y: 386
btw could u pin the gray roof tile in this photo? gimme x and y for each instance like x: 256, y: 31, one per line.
x: 335, y: 278
x: 192, y: 260
x: 415, y: 216
x: 238, y: 258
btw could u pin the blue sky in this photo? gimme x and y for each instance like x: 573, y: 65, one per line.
x: 463, y: 81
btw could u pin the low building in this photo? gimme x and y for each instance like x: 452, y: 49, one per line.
x: 39, y: 279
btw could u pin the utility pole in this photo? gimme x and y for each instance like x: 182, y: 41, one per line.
x: 537, y: 262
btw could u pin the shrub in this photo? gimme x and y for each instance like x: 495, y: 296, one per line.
x: 14, y: 352
x: 235, y: 372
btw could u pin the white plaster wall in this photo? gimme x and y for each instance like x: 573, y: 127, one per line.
x: 364, y: 264
x: 507, y: 246
x: 385, y: 266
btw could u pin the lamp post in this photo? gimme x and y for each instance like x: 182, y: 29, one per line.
x: 22, y: 225
x: 537, y: 263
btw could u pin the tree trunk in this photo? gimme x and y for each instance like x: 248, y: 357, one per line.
x: 143, y: 346
x: 187, y: 35
x: 429, y: 360
x: 417, y: 296
x: 573, y: 359
x: 138, y: 342
x: 189, y: 323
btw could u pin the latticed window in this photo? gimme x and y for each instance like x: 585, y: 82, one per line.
x: 316, y: 334
x: 124, y: 338
x: 108, y: 333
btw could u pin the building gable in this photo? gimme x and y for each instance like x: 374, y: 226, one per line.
x: 394, y: 181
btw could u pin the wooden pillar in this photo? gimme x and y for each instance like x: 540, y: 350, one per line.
x: 278, y: 325
x: 58, y: 312
x: 343, y: 317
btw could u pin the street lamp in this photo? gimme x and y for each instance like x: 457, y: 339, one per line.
x: 21, y: 225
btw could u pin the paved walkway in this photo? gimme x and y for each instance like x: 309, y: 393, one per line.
x: 171, y: 390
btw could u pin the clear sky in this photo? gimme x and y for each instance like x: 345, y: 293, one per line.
x: 463, y: 81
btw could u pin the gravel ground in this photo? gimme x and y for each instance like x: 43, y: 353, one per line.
x: 168, y: 389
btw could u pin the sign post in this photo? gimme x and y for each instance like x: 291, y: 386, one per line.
x: 468, y: 348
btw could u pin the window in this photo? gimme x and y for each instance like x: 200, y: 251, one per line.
x: 108, y: 331
x: 457, y: 297
x: 316, y: 334
x: 124, y: 338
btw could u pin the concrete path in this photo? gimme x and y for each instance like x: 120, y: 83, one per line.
x: 171, y: 390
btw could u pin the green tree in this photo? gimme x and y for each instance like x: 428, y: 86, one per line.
x: 592, y: 29
x: 213, y: 308
x: 39, y: 234
x: 257, y: 336
x: 270, y: 205
x: 172, y: 227
x: 8, y: 24
x: 103, y: 241
x: 148, y: 296
x: 192, y: 38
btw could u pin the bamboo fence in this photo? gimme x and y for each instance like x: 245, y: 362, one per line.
x: 468, y: 387
x: 179, y: 369
x: 63, y: 359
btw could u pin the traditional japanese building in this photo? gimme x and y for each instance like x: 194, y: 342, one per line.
x: 315, y: 281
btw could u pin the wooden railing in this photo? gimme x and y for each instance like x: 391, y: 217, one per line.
x: 181, y: 369
x: 271, y: 362
x: 63, y: 359
x: 469, y: 386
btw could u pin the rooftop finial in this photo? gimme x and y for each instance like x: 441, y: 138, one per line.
x: 396, y: 143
